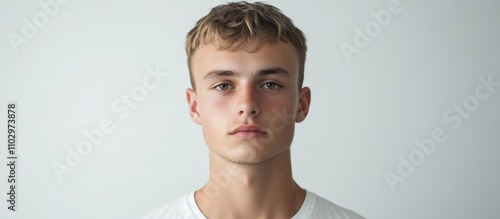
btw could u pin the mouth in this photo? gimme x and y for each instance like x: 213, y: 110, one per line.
x: 248, y: 132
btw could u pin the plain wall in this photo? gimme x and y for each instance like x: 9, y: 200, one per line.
x: 406, y: 83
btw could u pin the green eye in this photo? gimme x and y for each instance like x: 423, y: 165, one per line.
x: 222, y: 87
x: 271, y: 85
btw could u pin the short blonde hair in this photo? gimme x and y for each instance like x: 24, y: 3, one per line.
x: 235, y: 25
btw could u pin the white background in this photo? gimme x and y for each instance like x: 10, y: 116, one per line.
x: 364, y: 114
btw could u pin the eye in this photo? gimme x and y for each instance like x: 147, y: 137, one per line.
x: 222, y: 87
x: 271, y: 85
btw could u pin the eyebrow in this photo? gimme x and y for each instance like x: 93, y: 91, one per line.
x: 271, y: 71
x: 263, y: 72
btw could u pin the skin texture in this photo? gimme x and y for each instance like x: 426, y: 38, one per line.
x: 247, y: 102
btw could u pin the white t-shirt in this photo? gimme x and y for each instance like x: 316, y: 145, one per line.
x: 314, y: 207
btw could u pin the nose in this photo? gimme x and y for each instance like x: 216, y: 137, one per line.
x: 248, y: 103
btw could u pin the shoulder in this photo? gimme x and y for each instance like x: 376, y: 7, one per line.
x: 181, y: 207
x: 316, y: 206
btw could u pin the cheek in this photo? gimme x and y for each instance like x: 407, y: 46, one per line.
x: 285, y: 105
x: 213, y: 111
x: 213, y: 108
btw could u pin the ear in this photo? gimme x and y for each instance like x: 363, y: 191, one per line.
x: 193, y: 106
x: 304, y: 103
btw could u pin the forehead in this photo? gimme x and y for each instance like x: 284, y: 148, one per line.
x: 208, y: 58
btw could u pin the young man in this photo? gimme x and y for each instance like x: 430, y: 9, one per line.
x: 246, y: 63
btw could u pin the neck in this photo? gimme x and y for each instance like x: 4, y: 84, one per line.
x: 265, y: 190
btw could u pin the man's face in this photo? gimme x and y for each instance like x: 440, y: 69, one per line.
x: 247, y: 102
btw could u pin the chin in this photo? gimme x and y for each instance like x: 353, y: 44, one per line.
x: 251, y: 155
